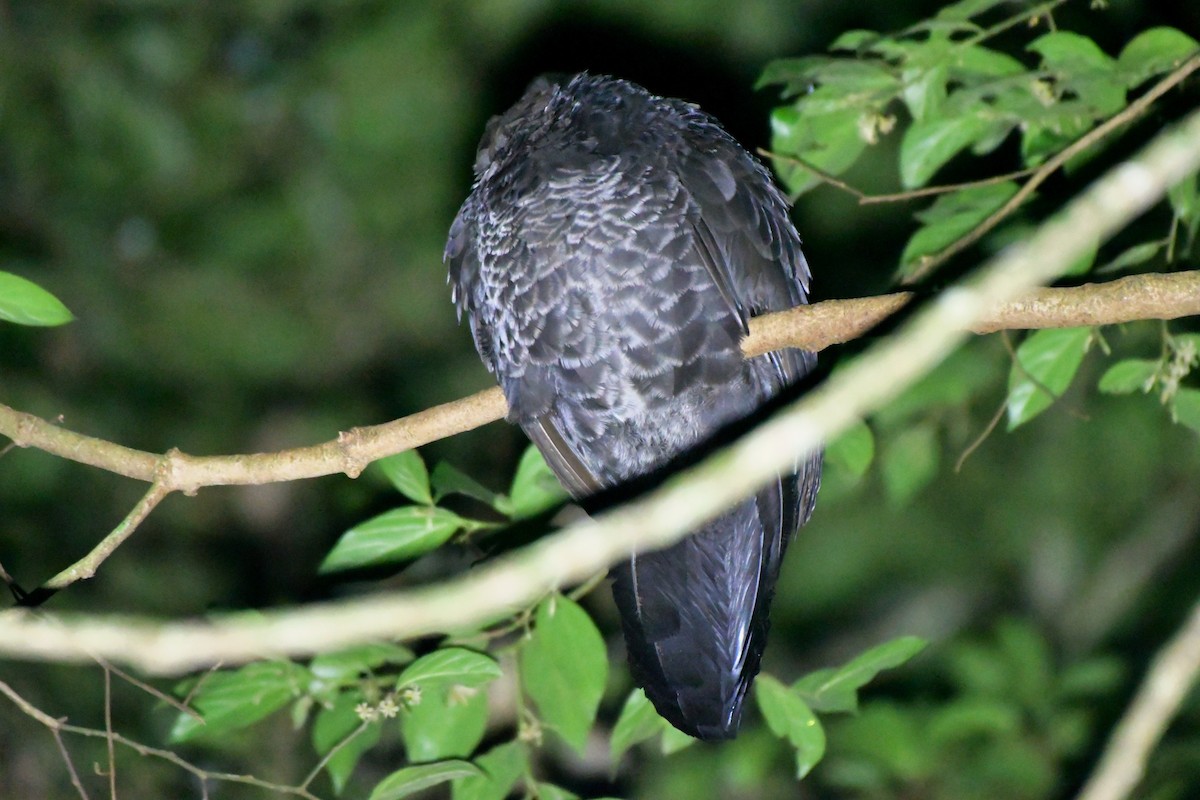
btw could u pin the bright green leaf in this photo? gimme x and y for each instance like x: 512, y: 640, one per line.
x: 853, y: 450
x: 829, y: 142
x: 1070, y: 52
x: 333, y: 725
x: 790, y: 718
x: 534, y: 488
x: 909, y: 462
x: 925, y: 90
x: 395, y: 536
x: 228, y: 701
x: 406, y: 471
x: 449, y: 666
x: 638, y: 721
x: 951, y: 217
x: 983, y: 61
x: 448, y: 722
x: 410, y: 780
x: 351, y: 662
x: 564, y: 667
x: 930, y: 143
x: 1153, y: 52
x: 502, y: 766
x: 1047, y: 361
x: 852, y: 40
x: 448, y: 479
x: 831, y: 690
x: 1129, y: 375
x: 1185, y: 408
x: 25, y: 303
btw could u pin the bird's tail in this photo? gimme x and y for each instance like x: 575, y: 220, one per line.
x: 695, y: 614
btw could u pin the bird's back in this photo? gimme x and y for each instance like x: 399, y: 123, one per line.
x: 609, y: 258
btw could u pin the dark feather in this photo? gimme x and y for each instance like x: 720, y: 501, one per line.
x: 609, y: 258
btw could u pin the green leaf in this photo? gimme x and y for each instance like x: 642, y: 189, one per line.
x: 674, y: 740
x: 449, y: 666
x: 1133, y: 256
x: 352, y: 662
x: 965, y: 9
x: 790, y: 718
x: 853, y: 450
x: 448, y: 479
x: 1185, y: 408
x: 398, y: 535
x: 794, y: 74
x: 929, y: 143
x: 988, y: 63
x: 548, y: 791
x: 830, y: 142
x: 1070, y: 52
x: 1153, y: 52
x: 1185, y: 197
x: 836, y: 690
x: 968, y: 717
x: 909, y: 462
x: 406, y: 471
x: 1047, y: 361
x: 502, y: 766
x: 25, y: 303
x: 951, y: 217
x: 534, y: 489
x: 1129, y: 375
x: 231, y: 700
x: 410, y: 780
x: 638, y: 722
x: 852, y: 40
x: 448, y: 722
x: 925, y: 90
x: 332, y: 726
x: 564, y: 667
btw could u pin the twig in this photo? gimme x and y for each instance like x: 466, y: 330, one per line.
x: 511, y: 582
x: 1171, y: 675
x: 86, y: 567
x: 59, y: 727
x: 865, y: 199
x: 1131, y: 112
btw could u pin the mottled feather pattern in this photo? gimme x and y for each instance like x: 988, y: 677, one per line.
x: 611, y: 253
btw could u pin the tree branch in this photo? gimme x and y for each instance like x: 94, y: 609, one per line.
x: 1171, y: 676
x: 815, y: 327
x: 509, y: 583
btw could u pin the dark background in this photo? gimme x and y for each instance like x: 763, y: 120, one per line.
x: 244, y: 205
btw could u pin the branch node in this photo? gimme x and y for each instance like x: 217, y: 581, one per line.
x: 348, y: 442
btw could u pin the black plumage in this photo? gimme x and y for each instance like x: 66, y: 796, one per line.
x: 609, y: 258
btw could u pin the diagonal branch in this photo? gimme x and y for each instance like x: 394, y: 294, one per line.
x: 509, y: 583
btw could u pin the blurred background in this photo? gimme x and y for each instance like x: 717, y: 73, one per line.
x: 244, y: 204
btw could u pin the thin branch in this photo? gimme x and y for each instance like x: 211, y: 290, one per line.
x: 1156, y: 703
x: 86, y: 567
x: 865, y: 199
x: 1131, y: 112
x: 500, y: 588
x: 60, y: 726
x: 815, y: 327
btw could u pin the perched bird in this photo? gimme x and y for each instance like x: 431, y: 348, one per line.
x: 609, y: 257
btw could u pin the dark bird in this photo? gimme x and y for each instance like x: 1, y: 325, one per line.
x: 609, y: 257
